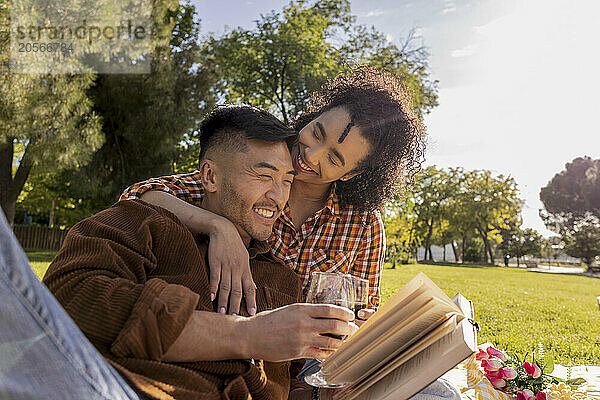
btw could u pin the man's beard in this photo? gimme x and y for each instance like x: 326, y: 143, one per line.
x: 241, y: 214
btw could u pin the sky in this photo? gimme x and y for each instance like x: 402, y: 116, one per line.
x: 519, y: 80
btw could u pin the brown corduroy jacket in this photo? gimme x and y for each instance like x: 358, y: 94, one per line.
x: 131, y: 277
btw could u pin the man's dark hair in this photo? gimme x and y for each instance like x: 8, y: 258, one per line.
x: 382, y: 108
x: 230, y: 126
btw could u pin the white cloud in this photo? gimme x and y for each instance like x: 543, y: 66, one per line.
x: 449, y: 7
x: 375, y: 13
x: 464, y: 52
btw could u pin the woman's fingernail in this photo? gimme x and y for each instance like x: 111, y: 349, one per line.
x: 252, y: 311
x: 233, y: 313
x: 212, y: 297
x: 222, y: 310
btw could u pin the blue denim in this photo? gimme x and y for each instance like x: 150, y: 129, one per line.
x: 43, y: 355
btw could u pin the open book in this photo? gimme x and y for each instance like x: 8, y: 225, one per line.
x: 413, y: 339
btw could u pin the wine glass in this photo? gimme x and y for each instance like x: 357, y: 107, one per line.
x: 328, y: 288
x: 361, y: 294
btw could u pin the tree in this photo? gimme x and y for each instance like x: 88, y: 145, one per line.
x: 435, y: 189
x: 146, y: 117
x: 552, y: 248
x: 572, y: 195
x: 572, y: 207
x: 409, y: 61
x: 46, y: 122
x: 290, y: 54
x: 47, y: 202
x: 400, y: 223
x: 583, y: 241
x: 521, y: 242
x: 487, y: 201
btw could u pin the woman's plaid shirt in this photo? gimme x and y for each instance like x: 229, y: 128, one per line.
x: 335, y: 239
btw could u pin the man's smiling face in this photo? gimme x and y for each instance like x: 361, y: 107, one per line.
x: 254, y: 187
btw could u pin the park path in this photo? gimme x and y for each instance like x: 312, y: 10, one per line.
x: 553, y: 269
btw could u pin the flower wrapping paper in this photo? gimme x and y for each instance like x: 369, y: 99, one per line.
x: 484, y: 390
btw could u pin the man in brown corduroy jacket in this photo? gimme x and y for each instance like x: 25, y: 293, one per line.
x: 136, y: 280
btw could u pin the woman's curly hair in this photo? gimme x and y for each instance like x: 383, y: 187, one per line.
x: 381, y: 106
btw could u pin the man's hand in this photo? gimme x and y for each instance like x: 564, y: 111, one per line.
x: 364, y: 315
x: 230, y: 275
x: 297, y: 331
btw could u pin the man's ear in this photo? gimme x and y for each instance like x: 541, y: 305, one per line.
x: 208, y: 175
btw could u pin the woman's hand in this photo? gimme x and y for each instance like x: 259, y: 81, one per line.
x: 230, y: 275
x: 363, y: 316
x: 227, y: 255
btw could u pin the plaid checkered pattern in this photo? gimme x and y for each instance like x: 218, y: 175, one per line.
x: 335, y: 239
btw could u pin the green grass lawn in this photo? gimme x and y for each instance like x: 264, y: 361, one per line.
x: 516, y: 309
x: 39, y: 260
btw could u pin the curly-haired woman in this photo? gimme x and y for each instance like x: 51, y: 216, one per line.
x: 357, y: 141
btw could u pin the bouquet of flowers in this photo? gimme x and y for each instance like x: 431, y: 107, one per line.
x: 518, y: 377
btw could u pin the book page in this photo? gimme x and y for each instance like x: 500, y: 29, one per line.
x: 434, y: 336
x: 413, y: 375
x: 419, y: 282
x: 404, y: 305
x: 385, y: 349
x: 360, y: 343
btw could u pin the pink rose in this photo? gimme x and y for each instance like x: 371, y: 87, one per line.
x: 493, y: 352
x: 481, y: 355
x: 525, y: 395
x: 532, y: 369
x: 507, y: 373
x: 492, y: 374
x: 498, y: 383
x: 540, y: 395
x: 491, y: 365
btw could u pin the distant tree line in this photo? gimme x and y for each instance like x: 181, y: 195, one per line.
x: 478, y: 214
x: 468, y: 210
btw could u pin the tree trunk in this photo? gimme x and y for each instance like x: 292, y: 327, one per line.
x: 428, y: 239
x: 454, y: 250
x: 51, y: 218
x: 410, y: 238
x: 462, y: 254
x: 518, y: 263
x: 10, y: 187
x: 487, y: 248
x: 492, y: 260
x: 444, y: 257
x: 6, y: 156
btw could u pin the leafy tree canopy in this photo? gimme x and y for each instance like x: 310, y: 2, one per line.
x: 290, y: 54
x: 572, y: 194
x: 46, y: 122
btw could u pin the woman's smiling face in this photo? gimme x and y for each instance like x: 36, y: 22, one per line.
x: 319, y: 157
